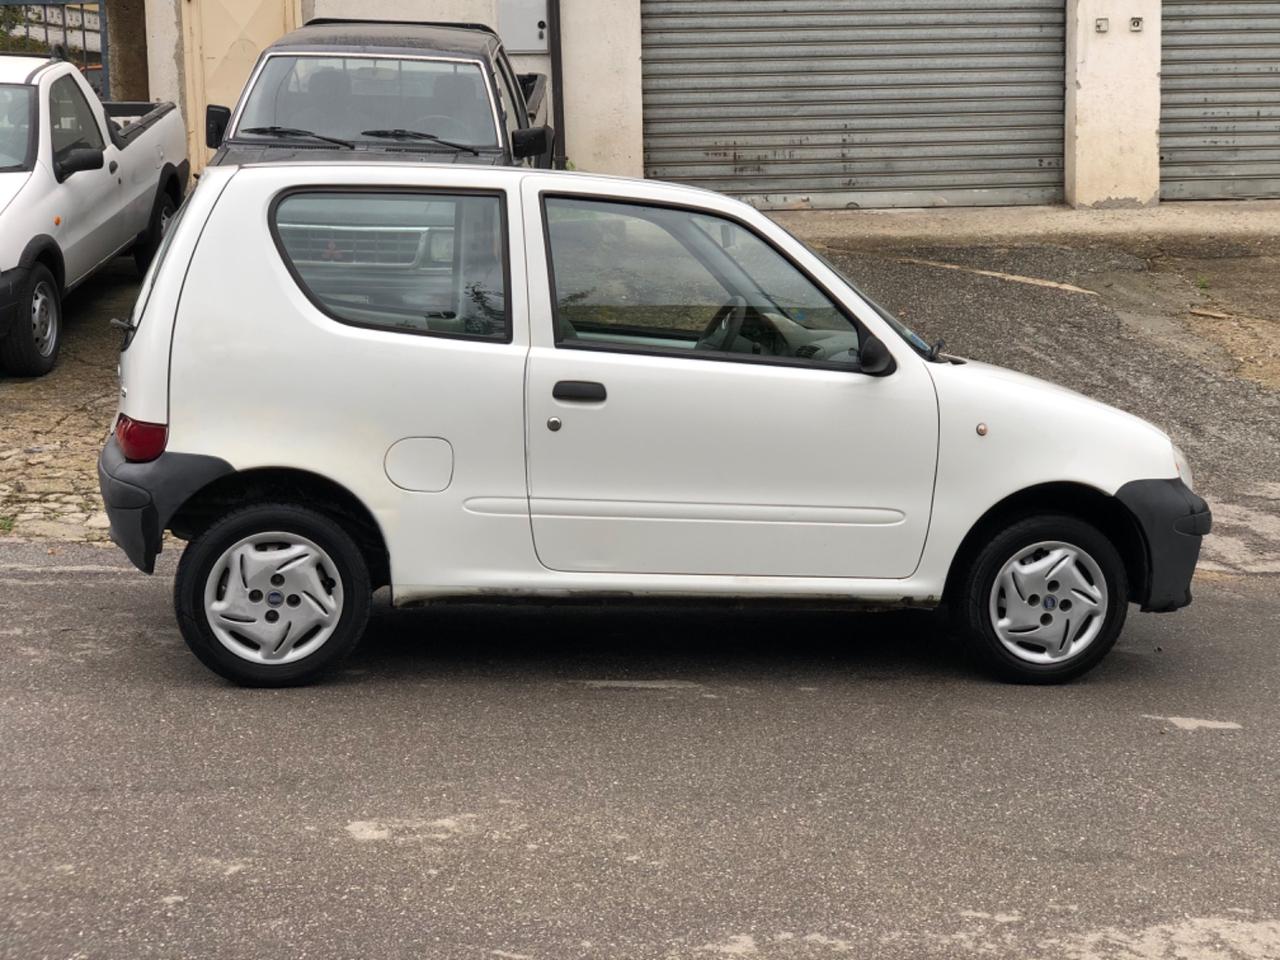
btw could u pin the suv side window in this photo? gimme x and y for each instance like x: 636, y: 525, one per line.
x: 670, y: 280
x: 71, y: 122
x: 425, y: 263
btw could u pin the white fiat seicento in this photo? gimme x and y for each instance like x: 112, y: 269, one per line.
x: 461, y: 381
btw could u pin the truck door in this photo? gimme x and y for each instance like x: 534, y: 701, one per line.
x: 87, y: 227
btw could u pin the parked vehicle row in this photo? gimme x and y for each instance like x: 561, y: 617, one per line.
x: 81, y: 181
x: 459, y: 380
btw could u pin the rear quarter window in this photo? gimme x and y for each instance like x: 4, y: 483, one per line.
x: 423, y: 263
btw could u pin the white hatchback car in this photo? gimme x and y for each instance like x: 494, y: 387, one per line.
x: 495, y: 382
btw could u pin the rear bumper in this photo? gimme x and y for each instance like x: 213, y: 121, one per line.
x: 1173, y: 521
x: 141, y: 498
x: 12, y: 285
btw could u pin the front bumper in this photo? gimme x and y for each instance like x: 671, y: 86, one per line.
x: 12, y: 286
x: 141, y: 498
x: 1173, y: 521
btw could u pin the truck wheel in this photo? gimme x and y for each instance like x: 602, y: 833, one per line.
x: 31, y: 348
x: 272, y: 595
x: 144, y: 251
x: 1044, y: 600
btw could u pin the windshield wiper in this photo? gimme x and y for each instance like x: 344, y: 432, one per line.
x: 274, y: 131
x: 936, y: 350
x: 400, y: 133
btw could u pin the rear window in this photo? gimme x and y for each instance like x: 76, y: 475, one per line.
x: 425, y: 263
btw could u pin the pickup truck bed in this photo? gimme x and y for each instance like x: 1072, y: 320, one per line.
x: 127, y: 119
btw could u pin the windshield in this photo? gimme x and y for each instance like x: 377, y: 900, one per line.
x: 344, y: 96
x: 901, y: 329
x: 16, y: 125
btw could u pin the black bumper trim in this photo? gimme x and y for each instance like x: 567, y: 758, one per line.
x: 1173, y: 520
x: 141, y: 498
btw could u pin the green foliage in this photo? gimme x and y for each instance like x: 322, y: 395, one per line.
x: 6, y: 524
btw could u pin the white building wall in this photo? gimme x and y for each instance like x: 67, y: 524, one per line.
x: 165, y: 76
x: 1113, y: 103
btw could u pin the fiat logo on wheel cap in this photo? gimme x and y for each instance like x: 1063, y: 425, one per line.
x: 1050, y: 603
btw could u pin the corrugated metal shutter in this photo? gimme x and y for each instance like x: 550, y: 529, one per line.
x: 1220, y: 100
x: 877, y: 103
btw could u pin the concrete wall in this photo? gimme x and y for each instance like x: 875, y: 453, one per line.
x: 602, y: 95
x: 1113, y: 104
x: 165, y: 76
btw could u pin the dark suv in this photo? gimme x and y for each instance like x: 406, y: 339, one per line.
x: 376, y: 89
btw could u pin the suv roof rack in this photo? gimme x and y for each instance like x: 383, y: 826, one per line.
x: 320, y: 21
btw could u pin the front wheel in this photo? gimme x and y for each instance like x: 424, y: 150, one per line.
x: 272, y: 595
x: 31, y: 348
x: 1044, y: 600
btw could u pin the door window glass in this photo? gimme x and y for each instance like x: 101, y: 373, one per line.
x: 636, y: 276
x: 412, y: 262
x: 71, y: 122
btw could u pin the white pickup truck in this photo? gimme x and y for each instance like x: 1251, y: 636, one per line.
x: 81, y: 181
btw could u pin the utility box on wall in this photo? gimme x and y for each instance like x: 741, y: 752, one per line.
x: 522, y: 25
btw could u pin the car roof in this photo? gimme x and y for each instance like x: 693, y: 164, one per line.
x: 508, y: 173
x: 372, y: 36
x: 18, y: 69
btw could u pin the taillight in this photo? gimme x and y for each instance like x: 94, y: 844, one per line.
x: 140, y: 441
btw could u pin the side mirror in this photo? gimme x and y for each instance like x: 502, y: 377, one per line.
x: 81, y: 158
x: 216, y: 119
x: 874, y: 358
x: 530, y: 142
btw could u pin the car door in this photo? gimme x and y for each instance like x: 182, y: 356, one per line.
x: 694, y: 404
x: 88, y: 229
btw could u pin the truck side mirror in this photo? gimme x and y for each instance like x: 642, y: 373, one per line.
x: 216, y: 119
x: 874, y: 358
x: 530, y: 142
x: 81, y: 158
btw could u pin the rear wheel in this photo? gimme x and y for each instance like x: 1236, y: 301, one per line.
x: 272, y: 595
x: 31, y: 348
x: 144, y: 251
x: 1044, y: 600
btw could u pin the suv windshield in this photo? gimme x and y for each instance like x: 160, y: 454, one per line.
x: 345, y: 96
x: 16, y: 125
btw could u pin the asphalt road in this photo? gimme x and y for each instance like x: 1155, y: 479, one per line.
x: 687, y: 782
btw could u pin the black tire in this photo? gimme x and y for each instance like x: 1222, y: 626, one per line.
x: 974, y: 599
x: 144, y: 251
x: 24, y: 352
x: 197, y: 564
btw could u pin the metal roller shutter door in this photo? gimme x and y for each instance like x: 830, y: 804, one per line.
x: 1220, y: 100
x: 875, y: 103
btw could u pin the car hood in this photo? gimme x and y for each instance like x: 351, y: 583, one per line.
x: 1051, y: 392
x: 11, y: 182
x: 240, y: 154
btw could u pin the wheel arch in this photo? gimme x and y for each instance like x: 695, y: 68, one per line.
x: 44, y: 249
x: 1112, y: 518
x: 171, y: 183
x: 272, y: 484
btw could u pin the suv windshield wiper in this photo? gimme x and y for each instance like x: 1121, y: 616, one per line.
x: 274, y: 131
x: 400, y: 133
